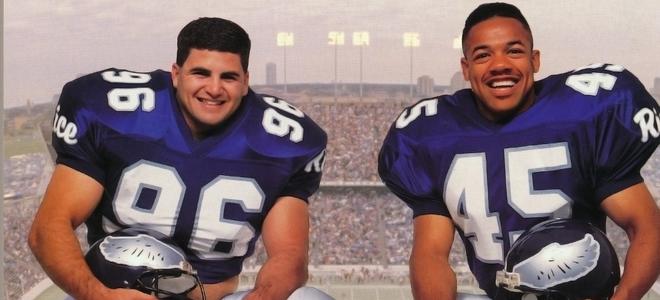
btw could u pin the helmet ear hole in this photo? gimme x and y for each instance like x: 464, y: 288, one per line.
x: 142, y: 259
x: 564, y: 257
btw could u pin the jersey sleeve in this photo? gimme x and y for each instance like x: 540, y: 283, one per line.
x: 403, y: 167
x: 305, y: 182
x: 627, y: 133
x: 301, y: 147
x: 74, y: 139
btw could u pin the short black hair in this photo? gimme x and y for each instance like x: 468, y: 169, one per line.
x: 213, y: 34
x: 496, y: 9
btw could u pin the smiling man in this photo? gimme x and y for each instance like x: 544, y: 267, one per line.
x: 194, y: 155
x: 509, y: 153
x: 500, y: 62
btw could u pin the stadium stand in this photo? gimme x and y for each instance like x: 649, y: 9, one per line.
x: 360, y: 233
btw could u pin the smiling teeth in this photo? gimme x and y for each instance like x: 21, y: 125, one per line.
x: 507, y: 83
x: 211, y: 102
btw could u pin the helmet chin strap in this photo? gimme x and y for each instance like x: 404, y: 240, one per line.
x: 201, y: 287
x: 156, y: 291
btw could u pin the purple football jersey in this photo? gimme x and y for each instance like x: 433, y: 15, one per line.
x: 585, y: 138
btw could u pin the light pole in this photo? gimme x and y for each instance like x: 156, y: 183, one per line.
x: 361, y: 39
x: 335, y: 38
x: 284, y: 40
x: 457, y: 43
x: 411, y: 40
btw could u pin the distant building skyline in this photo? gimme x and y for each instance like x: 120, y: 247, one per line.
x: 425, y: 86
x: 271, y: 73
x: 66, y: 38
x: 655, y: 92
x: 457, y: 82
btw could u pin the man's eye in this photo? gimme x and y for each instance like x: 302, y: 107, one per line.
x: 480, y: 56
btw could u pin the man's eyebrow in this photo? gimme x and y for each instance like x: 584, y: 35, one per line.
x: 508, y: 44
x: 200, y: 70
x: 516, y: 42
x: 230, y: 74
x: 479, y: 47
x: 205, y: 71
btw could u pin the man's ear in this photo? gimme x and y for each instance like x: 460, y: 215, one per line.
x: 536, y: 60
x: 465, y: 69
x: 175, y: 74
x: 246, y: 85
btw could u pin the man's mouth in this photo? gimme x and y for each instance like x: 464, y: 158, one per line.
x: 506, y: 83
x: 211, y: 101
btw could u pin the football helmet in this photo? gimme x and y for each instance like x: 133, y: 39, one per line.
x: 145, y: 260
x: 561, y: 259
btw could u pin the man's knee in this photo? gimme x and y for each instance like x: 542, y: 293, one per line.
x: 303, y: 293
x: 309, y: 293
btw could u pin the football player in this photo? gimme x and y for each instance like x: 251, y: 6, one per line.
x: 194, y: 154
x: 494, y: 160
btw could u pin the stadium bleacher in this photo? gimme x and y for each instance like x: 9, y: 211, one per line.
x: 361, y: 233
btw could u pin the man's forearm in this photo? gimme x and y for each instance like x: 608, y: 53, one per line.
x: 642, y: 265
x: 279, y: 277
x: 58, y: 251
x: 634, y: 210
x: 431, y: 279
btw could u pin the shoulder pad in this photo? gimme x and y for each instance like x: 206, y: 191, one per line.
x: 431, y: 116
x: 120, y: 99
x: 279, y: 129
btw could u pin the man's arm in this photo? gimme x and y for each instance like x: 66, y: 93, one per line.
x: 634, y: 210
x: 70, y: 198
x: 431, y: 276
x: 286, y: 239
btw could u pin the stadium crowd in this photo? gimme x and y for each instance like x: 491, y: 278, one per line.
x: 361, y: 226
x: 355, y: 133
x: 25, y: 175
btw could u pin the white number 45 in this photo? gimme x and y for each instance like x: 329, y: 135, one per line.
x: 590, y: 83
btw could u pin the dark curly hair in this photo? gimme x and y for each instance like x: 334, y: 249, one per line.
x: 213, y: 34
